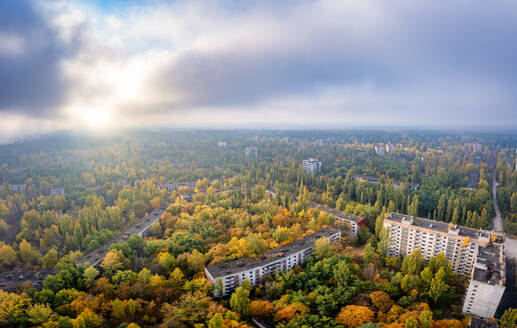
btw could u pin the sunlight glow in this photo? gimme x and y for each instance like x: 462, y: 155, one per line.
x: 98, y: 118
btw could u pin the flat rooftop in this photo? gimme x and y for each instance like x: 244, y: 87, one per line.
x: 473, y: 234
x: 337, y: 213
x: 236, y: 266
x: 490, y: 265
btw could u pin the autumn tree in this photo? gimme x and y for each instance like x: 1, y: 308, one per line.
x: 381, y: 300
x: 260, y: 308
x: 7, y: 256
x: 113, y: 261
x: 352, y: 316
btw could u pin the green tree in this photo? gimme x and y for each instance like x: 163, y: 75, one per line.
x: 217, y: 321
x: 438, y: 287
x: 411, y: 323
x: 50, y: 259
x: 369, y: 252
x: 426, y: 319
x: 90, y: 273
x: 239, y: 301
x: 508, y: 319
x: 322, y: 248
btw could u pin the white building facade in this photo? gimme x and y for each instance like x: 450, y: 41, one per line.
x: 232, y: 274
x: 469, y: 251
x: 312, y: 166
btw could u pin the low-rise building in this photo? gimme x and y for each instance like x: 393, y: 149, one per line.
x: 312, y: 166
x: 221, y: 144
x: 375, y: 180
x: 355, y: 222
x: 18, y: 187
x: 232, y: 274
x: 57, y: 191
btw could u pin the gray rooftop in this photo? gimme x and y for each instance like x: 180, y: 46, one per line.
x: 439, y: 226
x: 236, y: 266
x: 490, y: 265
x: 337, y: 213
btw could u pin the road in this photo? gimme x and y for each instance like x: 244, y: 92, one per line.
x: 138, y: 228
x: 510, y: 245
x: 498, y: 220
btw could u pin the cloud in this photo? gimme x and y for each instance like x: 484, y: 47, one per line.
x: 307, y: 62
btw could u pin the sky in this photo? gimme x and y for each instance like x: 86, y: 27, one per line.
x: 104, y: 65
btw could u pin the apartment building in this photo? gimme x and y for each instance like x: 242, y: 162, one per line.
x: 283, y: 258
x: 57, y: 191
x: 251, y: 152
x: 355, y: 221
x: 312, y: 166
x: 476, y: 253
x: 18, y: 187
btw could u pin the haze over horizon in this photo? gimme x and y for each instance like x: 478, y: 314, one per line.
x: 83, y: 65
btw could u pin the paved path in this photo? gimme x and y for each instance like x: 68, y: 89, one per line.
x: 510, y: 245
x: 498, y: 220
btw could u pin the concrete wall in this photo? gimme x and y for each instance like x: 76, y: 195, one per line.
x: 482, y: 299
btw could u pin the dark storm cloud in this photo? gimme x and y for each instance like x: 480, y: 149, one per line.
x: 30, y: 79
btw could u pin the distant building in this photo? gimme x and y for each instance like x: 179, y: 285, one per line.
x: 5, y: 165
x: 389, y: 148
x: 380, y: 149
x: 312, y: 166
x: 285, y: 139
x: 469, y: 251
x: 171, y: 186
x: 355, y: 222
x: 251, y: 152
x: 57, y: 191
x: 187, y: 197
x: 18, y: 187
x: 221, y: 144
x: 232, y: 274
x: 375, y: 180
x: 472, y: 146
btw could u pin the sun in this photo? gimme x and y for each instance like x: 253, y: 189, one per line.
x: 97, y: 118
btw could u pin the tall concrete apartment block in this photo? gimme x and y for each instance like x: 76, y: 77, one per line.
x: 472, y: 252
x: 312, y: 166
x: 283, y: 258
